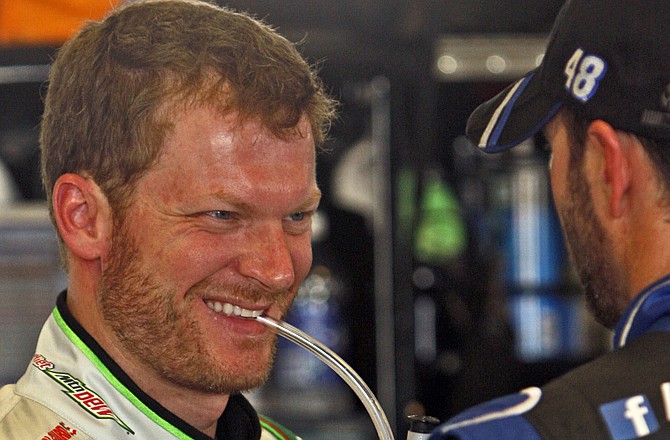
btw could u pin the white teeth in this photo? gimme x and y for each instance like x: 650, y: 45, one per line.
x: 229, y: 310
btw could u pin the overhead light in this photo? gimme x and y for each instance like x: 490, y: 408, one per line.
x: 486, y: 57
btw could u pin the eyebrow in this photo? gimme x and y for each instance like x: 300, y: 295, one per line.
x: 311, y: 200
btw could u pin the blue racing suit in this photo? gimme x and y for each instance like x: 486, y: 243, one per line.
x: 622, y: 395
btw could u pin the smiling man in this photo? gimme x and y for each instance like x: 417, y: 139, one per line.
x: 178, y: 156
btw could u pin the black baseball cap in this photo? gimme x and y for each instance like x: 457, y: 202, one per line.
x: 606, y: 59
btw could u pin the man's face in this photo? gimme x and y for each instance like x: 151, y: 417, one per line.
x: 220, y: 226
x: 587, y: 241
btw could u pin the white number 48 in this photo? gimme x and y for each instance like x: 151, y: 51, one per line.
x: 583, y: 74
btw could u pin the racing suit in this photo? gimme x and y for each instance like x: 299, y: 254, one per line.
x: 622, y: 395
x: 73, y: 389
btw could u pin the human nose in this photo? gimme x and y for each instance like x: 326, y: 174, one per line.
x: 268, y: 259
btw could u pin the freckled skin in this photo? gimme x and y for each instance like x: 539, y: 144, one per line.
x: 218, y: 217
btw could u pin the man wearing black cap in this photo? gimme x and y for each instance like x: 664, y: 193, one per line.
x: 602, y: 99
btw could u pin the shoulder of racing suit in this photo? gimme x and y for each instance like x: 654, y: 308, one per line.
x: 624, y: 394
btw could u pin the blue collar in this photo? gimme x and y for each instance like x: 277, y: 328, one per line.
x: 650, y: 311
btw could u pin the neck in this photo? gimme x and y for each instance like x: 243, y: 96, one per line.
x: 647, y: 254
x: 199, y: 409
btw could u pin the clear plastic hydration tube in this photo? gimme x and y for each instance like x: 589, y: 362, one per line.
x: 338, y: 365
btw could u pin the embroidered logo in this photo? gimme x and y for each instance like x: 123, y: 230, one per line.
x: 583, y: 74
x: 60, y: 432
x: 76, y: 390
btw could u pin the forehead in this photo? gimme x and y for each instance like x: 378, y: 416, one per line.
x: 206, y: 153
x: 207, y: 134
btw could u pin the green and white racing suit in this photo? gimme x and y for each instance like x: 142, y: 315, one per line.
x: 73, y: 389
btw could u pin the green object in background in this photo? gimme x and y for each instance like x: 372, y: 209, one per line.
x: 407, y: 187
x: 441, y: 233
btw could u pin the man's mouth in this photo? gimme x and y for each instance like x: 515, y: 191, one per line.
x: 233, y: 310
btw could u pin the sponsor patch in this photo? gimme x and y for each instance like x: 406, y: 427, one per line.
x: 629, y: 418
x: 76, y: 390
x: 60, y: 432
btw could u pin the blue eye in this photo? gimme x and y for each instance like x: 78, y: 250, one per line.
x: 219, y: 215
x: 297, y: 216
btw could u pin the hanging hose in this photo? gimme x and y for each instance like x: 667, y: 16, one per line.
x: 338, y: 365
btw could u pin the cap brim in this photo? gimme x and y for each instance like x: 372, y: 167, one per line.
x: 514, y: 115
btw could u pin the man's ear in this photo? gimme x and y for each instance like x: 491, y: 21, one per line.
x: 617, y: 175
x: 83, y: 216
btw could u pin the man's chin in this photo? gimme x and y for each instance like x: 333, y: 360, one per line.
x: 239, y: 384
x: 236, y: 377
